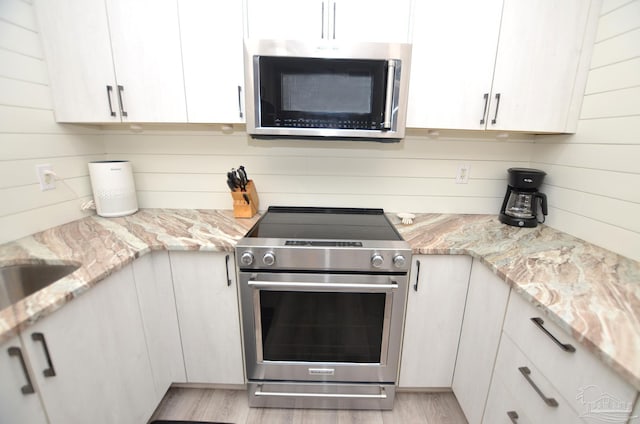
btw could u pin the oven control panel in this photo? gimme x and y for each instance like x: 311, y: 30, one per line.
x: 314, y: 258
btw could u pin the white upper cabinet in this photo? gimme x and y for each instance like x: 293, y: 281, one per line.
x: 212, y: 59
x: 343, y: 20
x: 454, y: 49
x: 500, y: 65
x: 537, y: 64
x: 113, y: 61
x: 145, y: 38
x: 75, y: 37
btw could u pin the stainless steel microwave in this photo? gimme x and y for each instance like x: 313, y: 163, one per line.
x: 326, y: 89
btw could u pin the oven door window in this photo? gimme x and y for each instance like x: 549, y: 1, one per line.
x: 322, y: 93
x: 322, y: 326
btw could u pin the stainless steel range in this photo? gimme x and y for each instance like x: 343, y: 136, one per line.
x: 323, y: 293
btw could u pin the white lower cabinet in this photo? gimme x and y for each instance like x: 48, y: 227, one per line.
x: 532, y: 396
x: 154, y: 286
x: 19, y: 401
x: 479, y: 339
x: 96, y: 347
x: 582, y: 388
x: 207, y: 303
x: 433, y: 320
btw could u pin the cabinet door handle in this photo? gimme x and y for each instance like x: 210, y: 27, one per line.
x: 495, y: 117
x: 240, y: 100
x: 513, y: 416
x: 322, y: 23
x: 484, y: 111
x: 564, y: 346
x: 526, y: 372
x: 39, y: 337
x: 109, y: 91
x: 27, y: 389
x: 334, y: 20
x: 415, y: 286
x: 121, y: 101
x: 226, y: 259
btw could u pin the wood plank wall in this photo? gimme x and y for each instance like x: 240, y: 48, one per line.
x: 593, y: 181
x: 186, y: 168
x: 30, y: 136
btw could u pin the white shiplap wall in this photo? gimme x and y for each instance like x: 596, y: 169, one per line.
x: 30, y: 136
x: 187, y: 169
x: 593, y: 181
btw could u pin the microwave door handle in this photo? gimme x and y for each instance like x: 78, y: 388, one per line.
x: 388, y: 105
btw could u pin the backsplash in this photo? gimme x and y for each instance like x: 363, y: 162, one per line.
x: 29, y: 135
x: 592, y: 182
x: 594, y: 175
x: 187, y: 168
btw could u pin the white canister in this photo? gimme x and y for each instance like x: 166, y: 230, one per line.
x: 114, y: 190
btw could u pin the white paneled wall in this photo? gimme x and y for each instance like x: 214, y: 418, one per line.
x: 593, y: 182
x: 187, y: 169
x: 30, y: 136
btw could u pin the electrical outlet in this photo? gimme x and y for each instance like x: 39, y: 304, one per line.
x: 45, y: 177
x: 462, y: 176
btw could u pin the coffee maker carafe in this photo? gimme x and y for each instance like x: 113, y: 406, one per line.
x: 523, y: 202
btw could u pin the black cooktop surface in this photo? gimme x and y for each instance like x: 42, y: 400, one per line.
x: 308, y: 223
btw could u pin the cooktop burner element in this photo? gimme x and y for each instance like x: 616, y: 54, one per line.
x: 323, y: 239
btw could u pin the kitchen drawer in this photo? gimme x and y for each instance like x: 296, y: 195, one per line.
x: 500, y: 404
x: 526, y: 401
x: 579, y: 376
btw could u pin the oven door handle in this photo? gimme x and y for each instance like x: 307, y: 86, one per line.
x: 382, y: 395
x: 298, y: 285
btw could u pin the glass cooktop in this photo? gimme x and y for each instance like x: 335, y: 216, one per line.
x: 312, y: 223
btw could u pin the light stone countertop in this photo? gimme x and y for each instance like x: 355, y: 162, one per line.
x: 592, y: 293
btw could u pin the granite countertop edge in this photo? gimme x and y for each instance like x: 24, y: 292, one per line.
x: 568, y: 279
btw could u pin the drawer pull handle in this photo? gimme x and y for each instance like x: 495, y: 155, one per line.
x: 513, y: 416
x: 564, y: 346
x: 549, y: 401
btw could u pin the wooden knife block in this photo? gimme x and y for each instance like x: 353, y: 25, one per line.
x: 242, y: 209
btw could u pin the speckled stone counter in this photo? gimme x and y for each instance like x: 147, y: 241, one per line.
x: 591, y: 292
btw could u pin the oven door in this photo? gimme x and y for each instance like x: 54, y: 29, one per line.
x: 322, y: 327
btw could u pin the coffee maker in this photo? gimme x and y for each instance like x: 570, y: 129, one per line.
x: 523, y: 201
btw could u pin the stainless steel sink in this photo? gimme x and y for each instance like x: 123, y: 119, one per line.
x: 20, y: 281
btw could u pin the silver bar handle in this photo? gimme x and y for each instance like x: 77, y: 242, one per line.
x: 513, y: 416
x: 240, y: 100
x: 382, y: 395
x: 391, y: 77
x: 564, y: 346
x: 526, y: 372
x: 121, y: 101
x: 306, y: 285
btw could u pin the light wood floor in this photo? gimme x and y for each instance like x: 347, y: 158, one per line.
x: 230, y: 406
